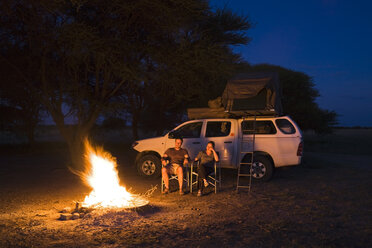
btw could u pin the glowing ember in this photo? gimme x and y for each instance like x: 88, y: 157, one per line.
x: 102, y: 176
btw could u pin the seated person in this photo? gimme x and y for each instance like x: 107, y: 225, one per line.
x: 177, y: 157
x: 207, y: 159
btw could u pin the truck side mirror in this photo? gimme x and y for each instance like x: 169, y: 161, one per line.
x: 174, y: 134
x: 171, y: 135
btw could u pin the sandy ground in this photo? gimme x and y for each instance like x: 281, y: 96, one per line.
x: 326, y: 202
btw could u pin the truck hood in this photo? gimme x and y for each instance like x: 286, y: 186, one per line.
x: 156, y: 144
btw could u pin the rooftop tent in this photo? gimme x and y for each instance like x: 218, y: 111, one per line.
x: 245, y: 94
x: 253, y: 92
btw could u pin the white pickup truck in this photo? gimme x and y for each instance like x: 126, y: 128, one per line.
x: 278, y: 143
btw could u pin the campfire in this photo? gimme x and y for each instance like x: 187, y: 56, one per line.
x: 102, y: 176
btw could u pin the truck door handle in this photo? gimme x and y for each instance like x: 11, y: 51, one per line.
x: 196, y: 143
x: 227, y: 142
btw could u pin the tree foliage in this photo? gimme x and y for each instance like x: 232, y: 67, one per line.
x: 152, y: 58
x: 84, y: 58
x: 194, y: 68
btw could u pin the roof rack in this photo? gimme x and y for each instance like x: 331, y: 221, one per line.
x: 253, y: 113
x: 211, y: 113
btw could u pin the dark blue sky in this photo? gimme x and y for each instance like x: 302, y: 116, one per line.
x: 329, y: 40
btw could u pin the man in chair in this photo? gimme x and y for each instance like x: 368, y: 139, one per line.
x: 177, y: 157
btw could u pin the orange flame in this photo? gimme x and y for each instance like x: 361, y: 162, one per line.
x: 101, y: 174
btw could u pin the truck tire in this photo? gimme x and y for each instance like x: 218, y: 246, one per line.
x: 149, y: 166
x: 262, y: 169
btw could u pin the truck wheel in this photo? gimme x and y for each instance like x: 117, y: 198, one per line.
x: 149, y: 166
x: 262, y: 169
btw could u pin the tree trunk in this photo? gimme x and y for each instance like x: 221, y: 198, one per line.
x: 77, y: 152
x: 136, y: 104
x: 74, y: 137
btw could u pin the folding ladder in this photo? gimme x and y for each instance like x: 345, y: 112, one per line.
x: 245, y: 168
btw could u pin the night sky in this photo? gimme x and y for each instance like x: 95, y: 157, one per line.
x: 329, y: 40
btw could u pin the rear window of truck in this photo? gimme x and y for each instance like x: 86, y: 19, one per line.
x: 285, y: 126
x: 262, y: 127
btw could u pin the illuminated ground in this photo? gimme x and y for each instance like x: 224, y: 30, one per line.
x: 325, y: 203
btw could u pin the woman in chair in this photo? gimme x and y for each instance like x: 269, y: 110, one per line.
x: 206, y: 160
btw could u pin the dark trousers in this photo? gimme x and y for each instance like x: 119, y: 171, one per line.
x: 203, y: 172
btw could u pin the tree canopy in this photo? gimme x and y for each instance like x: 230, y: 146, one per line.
x: 151, y: 58
x: 84, y: 58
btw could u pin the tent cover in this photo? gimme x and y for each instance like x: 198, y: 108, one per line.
x: 245, y: 94
x: 259, y: 92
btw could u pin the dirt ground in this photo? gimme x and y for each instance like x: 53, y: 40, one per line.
x: 326, y: 202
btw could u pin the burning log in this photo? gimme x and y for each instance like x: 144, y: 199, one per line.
x: 75, y: 216
x: 65, y: 216
x: 78, y: 212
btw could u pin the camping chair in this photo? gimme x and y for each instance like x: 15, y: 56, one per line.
x: 213, y: 178
x: 175, y: 177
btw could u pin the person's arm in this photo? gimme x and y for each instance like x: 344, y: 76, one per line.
x: 215, y: 155
x: 198, y: 156
x: 186, y: 160
x: 186, y: 156
x: 164, y: 158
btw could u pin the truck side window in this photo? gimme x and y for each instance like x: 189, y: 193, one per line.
x: 262, y: 127
x: 285, y: 126
x: 218, y: 128
x: 191, y: 130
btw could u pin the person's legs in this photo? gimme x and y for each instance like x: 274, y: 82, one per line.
x: 203, y: 172
x: 201, y: 178
x: 200, y: 185
x: 164, y: 173
x: 208, y: 170
x: 180, y: 177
